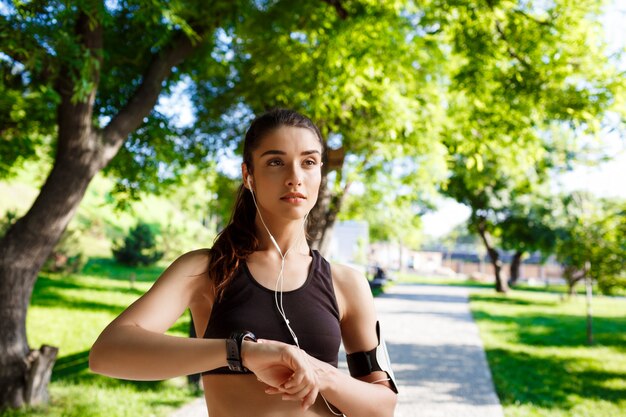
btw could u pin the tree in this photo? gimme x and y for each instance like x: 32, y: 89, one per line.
x: 86, y: 77
x: 591, y: 241
x: 528, y: 227
x: 83, y: 78
x: 518, y: 73
x: 367, y: 76
x: 139, y: 247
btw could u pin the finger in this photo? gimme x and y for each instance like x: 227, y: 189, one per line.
x: 297, y: 380
x: 270, y: 342
x: 273, y: 391
x: 297, y: 396
x: 310, y: 398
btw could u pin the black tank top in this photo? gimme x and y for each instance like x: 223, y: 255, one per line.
x: 311, y: 309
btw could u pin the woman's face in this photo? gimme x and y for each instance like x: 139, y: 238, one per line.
x: 287, y: 172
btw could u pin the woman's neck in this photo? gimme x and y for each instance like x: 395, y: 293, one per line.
x: 289, y: 236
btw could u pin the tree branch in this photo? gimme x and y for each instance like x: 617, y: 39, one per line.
x: 343, y: 13
x: 534, y: 19
x: 509, y: 49
x: 76, y: 108
x: 141, y: 103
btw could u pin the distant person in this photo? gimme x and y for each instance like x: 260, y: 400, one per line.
x: 380, y: 274
x: 272, y: 311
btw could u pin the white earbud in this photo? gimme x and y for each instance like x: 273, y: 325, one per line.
x: 250, y: 182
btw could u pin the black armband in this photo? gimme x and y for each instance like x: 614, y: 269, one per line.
x: 364, y: 363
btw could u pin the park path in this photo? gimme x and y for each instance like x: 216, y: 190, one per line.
x: 437, y: 355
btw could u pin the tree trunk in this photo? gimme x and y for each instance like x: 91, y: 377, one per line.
x: 23, y: 250
x: 494, y: 256
x: 515, y: 267
x: 572, y: 276
x: 323, y: 216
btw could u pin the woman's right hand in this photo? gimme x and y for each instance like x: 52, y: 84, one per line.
x: 285, y: 368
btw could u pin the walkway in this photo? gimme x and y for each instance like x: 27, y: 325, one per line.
x: 436, y: 352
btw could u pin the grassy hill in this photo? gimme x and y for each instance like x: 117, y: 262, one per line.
x: 101, y: 224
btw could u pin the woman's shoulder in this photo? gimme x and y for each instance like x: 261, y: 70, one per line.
x: 196, y: 259
x: 351, y: 287
x: 192, y: 267
x: 346, y: 275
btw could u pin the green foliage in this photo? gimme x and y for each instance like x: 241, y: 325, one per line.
x: 369, y: 81
x: 528, y: 85
x: 527, y: 225
x: 42, y: 49
x: 591, y: 241
x: 10, y: 216
x: 139, y: 247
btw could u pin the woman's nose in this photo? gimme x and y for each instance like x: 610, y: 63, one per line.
x: 294, y: 177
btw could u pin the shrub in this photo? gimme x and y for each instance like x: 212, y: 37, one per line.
x: 139, y: 247
x: 67, y: 256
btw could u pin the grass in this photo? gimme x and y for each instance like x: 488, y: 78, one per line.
x: 541, y: 364
x: 70, y: 312
x: 535, y: 341
x: 535, y: 345
x: 409, y: 278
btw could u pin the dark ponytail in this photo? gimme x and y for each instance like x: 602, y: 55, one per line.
x: 238, y: 239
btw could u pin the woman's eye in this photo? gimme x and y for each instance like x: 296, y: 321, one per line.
x: 274, y: 162
x: 310, y: 162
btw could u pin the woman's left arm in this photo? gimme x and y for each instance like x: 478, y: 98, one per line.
x: 370, y: 395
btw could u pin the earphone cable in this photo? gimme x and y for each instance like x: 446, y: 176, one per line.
x: 281, y: 280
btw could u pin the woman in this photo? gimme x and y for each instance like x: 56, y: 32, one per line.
x: 260, y: 277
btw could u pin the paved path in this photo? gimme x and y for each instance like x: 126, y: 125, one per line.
x: 436, y: 352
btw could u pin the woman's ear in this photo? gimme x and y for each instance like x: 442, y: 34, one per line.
x: 247, y: 177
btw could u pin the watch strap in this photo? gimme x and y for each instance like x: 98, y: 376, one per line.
x: 233, y: 349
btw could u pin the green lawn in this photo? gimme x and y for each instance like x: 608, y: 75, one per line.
x: 536, y: 348
x: 70, y: 312
x: 535, y: 340
x: 535, y: 344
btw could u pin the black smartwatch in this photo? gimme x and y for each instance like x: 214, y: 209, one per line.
x: 233, y: 349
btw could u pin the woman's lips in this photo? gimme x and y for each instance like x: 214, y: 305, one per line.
x: 294, y: 200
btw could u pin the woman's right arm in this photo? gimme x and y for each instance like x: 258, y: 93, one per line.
x: 134, y: 346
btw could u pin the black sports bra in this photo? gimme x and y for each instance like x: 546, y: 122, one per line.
x: 311, y: 309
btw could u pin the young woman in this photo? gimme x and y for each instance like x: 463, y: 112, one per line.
x: 272, y: 312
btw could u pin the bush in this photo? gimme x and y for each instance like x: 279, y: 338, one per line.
x: 139, y: 247
x: 66, y: 256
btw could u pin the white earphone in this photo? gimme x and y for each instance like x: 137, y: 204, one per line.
x: 280, y: 279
